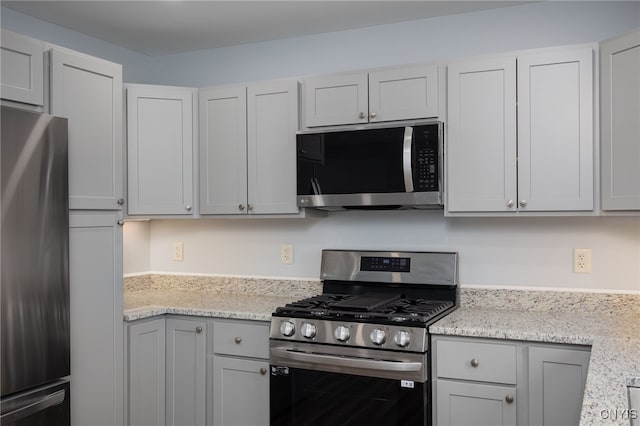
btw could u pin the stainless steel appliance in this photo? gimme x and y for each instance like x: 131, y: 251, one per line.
x: 359, y: 352
x: 372, y: 167
x: 35, y: 269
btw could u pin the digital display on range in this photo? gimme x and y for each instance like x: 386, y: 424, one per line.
x: 385, y: 264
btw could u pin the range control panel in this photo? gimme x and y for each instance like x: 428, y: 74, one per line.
x: 385, y: 264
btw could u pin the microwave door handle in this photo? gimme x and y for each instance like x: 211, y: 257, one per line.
x: 407, y: 154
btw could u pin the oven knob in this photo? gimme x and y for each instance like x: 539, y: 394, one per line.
x: 402, y: 339
x: 308, y: 330
x: 342, y: 333
x: 378, y: 336
x: 287, y: 328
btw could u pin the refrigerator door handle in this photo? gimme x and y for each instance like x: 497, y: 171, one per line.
x: 51, y: 400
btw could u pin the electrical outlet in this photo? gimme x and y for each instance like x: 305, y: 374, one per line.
x: 582, y: 261
x: 286, y: 254
x: 178, y: 252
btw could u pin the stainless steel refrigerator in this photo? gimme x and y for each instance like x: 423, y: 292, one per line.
x: 35, y: 269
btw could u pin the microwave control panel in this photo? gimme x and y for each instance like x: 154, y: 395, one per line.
x: 425, y: 160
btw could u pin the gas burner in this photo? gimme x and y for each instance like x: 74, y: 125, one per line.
x: 380, y: 308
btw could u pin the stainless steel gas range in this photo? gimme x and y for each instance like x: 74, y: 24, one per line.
x: 359, y: 352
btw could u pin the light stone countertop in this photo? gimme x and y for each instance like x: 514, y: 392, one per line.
x: 610, y: 324
x: 237, y: 298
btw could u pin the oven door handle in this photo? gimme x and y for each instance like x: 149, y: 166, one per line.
x: 338, y: 361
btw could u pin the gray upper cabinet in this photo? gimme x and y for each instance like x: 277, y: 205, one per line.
x: 620, y: 122
x: 535, y: 155
x: 272, y: 122
x: 22, y: 74
x: 160, y: 150
x: 405, y: 93
x: 336, y: 99
x: 223, y: 150
x: 96, y: 303
x: 481, y: 136
x: 88, y: 91
x: 247, y: 149
x: 555, y: 131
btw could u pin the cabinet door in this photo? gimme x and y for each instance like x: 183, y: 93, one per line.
x: 95, y: 262
x: 556, y: 385
x: 620, y: 122
x: 22, y: 74
x: 403, y: 93
x: 240, y: 392
x: 223, y: 150
x: 146, y: 373
x: 272, y: 122
x: 88, y: 91
x: 555, y: 131
x: 186, y: 372
x: 475, y: 404
x: 481, y: 147
x: 337, y: 99
x: 160, y: 145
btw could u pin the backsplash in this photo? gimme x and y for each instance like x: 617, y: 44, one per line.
x: 511, y: 299
x: 565, y: 301
x: 296, y: 289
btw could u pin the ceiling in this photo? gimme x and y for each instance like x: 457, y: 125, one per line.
x: 165, y: 27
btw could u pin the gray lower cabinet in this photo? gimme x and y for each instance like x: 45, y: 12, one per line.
x: 240, y: 379
x: 240, y: 392
x: 556, y: 385
x: 184, y: 371
x: 476, y: 382
x: 166, y: 370
x: 146, y: 373
x: 95, y: 266
x: 475, y: 404
x: 186, y: 366
x: 502, y: 382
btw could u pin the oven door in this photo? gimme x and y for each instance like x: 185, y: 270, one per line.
x: 347, y: 386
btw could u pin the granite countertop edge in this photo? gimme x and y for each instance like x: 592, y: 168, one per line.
x: 151, y: 311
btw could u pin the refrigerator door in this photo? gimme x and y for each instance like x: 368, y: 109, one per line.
x: 46, y: 406
x: 35, y: 250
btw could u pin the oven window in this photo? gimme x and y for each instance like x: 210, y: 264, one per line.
x: 315, y: 398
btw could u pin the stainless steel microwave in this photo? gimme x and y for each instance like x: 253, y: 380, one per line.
x: 371, y: 167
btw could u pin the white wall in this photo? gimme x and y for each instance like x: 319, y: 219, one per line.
x: 135, y: 65
x: 525, y: 26
x: 136, y: 240
x: 517, y: 251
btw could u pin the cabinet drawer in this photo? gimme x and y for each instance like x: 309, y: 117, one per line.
x: 485, y: 362
x: 241, y: 338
